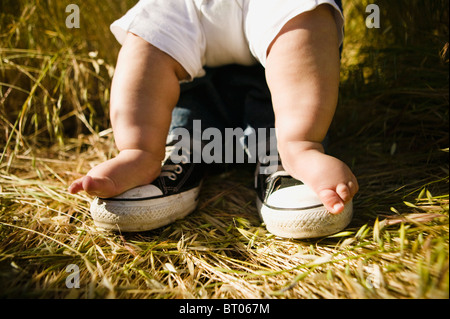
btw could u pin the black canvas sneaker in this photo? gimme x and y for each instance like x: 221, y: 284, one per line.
x: 172, y: 196
x: 290, y: 209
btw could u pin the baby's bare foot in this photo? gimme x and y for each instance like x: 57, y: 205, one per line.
x: 130, y: 168
x: 327, y: 176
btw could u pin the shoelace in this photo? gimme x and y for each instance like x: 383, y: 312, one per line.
x: 173, y: 170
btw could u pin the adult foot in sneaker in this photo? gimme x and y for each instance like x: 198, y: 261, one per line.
x: 130, y: 168
x: 330, y: 178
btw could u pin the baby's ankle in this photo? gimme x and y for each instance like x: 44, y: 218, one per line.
x: 288, y: 147
x: 140, y: 155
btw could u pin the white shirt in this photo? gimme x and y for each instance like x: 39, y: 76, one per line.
x: 200, y: 33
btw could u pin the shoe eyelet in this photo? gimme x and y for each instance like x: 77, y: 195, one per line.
x: 178, y: 169
x: 172, y: 177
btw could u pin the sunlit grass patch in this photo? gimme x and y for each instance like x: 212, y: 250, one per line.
x: 391, y: 127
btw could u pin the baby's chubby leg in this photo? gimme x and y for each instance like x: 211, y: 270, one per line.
x: 144, y: 92
x: 302, y: 72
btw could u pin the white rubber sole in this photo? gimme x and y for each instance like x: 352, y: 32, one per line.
x: 304, y: 223
x: 142, y: 215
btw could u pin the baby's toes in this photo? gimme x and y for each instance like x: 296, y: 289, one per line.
x: 345, y: 191
x: 99, y: 186
x: 353, y: 186
x: 331, y: 200
x: 76, y: 186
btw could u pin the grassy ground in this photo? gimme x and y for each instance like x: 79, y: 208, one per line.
x: 391, y: 127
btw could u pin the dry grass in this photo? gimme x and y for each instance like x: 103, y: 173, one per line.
x: 391, y: 127
x: 220, y: 251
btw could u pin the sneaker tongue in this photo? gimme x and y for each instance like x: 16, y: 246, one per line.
x: 297, y: 196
